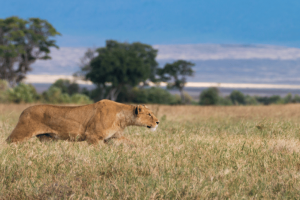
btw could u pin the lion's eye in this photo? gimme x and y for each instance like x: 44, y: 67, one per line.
x: 149, y: 114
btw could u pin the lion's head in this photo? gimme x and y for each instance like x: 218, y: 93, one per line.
x: 145, y: 117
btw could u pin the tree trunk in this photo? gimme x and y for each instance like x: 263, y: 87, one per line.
x: 113, y: 97
x: 103, y: 88
x: 113, y: 93
x: 182, y: 95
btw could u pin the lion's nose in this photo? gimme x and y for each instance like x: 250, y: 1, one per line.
x: 157, y: 122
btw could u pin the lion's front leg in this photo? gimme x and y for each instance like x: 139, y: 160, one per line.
x: 124, y: 140
x: 118, y: 139
x: 92, y: 140
x: 115, y: 136
x: 46, y: 138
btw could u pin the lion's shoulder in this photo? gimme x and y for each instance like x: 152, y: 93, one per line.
x: 112, y: 108
x: 111, y: 104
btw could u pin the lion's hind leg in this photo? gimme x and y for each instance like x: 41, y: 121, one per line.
x: 19, y: 134
x: 25, y: 131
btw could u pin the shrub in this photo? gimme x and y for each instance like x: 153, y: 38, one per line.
x: 188, y: 99
x: 275, y: 99
x: 139, y: 95
x: 177, y: 98
x: 237, y: 97
x: 209, y: 96
x: 3, y: 85
x: 55, y: 95
x: 249, y: 100
x: 224, y: 101
x: 296, y: 99
x: 153, y: 95
x: 80, y: 99
x: 23, y: 93
x: 288, y: 98
x: 66, y: 86
x: 160, y: 96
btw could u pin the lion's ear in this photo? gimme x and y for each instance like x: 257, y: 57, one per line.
x: 136, y: 110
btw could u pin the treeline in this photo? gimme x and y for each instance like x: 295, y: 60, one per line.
x: 66, y: 92
x: 61, y: 92
x: 211, y: 96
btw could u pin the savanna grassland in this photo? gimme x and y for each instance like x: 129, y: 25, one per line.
x: 237, y: 152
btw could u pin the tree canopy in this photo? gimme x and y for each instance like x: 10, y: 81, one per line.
x: 176, y: 74
x: 120, y: 64
x: 22, y: 42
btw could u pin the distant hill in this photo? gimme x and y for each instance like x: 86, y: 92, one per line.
x: 214, y: 62
x: 246, y: 71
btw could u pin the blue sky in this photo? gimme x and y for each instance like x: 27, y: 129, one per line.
x: 91, y: 22
x: 243, y: 38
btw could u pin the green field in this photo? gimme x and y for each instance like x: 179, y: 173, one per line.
x: 237, y: 152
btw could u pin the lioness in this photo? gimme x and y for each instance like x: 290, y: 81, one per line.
x: 104, y: 120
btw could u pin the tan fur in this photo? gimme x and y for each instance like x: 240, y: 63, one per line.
x: 104, y: 120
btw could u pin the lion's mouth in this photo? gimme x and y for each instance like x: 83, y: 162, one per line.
x: 152, y: 128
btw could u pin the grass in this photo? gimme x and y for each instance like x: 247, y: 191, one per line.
x: 246, y: 152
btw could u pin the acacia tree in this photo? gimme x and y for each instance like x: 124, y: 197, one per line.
x: 175, y: 74
x: 148, y: 55
x: 119, y: 64
x: 22, y: 42
x: 85, y: 62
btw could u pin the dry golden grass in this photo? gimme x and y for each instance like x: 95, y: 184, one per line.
x: 246, y: 152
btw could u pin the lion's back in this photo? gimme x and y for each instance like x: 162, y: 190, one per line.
x: 111, y: 108
x: 36, y: 110
x: 42, y: 112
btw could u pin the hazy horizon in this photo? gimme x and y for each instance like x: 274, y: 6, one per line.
x: 267, y: 64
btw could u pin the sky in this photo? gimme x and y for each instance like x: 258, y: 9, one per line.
x: 230, y: 41
x: 162, y: 22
